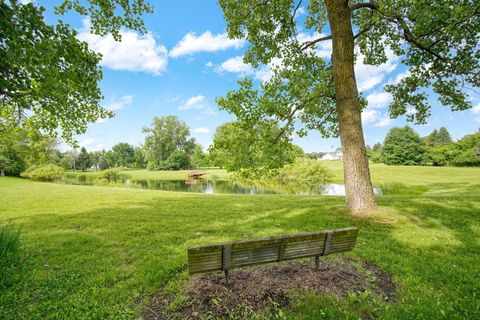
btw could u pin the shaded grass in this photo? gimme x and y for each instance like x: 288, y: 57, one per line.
x: 10, y: 247
x: 99, y: 252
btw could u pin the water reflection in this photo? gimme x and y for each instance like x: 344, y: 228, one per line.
x: 228, y: 187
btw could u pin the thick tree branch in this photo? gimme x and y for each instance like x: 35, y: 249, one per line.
x: 364, y: 30
x: 409, y: 37
x: 308, y: 44
x: 368, y: 5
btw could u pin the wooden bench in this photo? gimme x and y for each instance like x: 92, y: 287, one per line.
x: 237, y: 254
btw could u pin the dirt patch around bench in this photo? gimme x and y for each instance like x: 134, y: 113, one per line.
x: 259, y: 288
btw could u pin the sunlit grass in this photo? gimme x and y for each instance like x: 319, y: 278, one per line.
x: 98, y: 252
x: 174, y: 175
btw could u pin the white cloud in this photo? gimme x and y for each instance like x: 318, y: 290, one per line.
x: 194, y: 102
x: 372, y: 116
x: 476, y: 109
x: 87, y: 142
x: 369, y: 76
x: 379, y: 100
x: 201, y: 130
x: 384, y: 121
x: 173, y: 99
x: 199, y: 103
x: 117, y: 104
x: 369, y: 116
x: 301, y: 11
x: 207, y: 42
x: 399, y: 77
x: 235, y: 65
x: 209, y: 112
x: 136, y: 52
x: 209, y: 64
x: 476, y: 112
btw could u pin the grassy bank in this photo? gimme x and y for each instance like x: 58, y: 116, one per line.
x: 99, y: 252
x: 174, y: 175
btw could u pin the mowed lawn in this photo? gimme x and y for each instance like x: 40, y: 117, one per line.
x: 100, y: 252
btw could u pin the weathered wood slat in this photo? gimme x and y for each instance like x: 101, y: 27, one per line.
x: 235, y: 254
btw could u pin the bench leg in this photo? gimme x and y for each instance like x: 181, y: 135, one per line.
x: 317, y: 263
x: 227, y: 273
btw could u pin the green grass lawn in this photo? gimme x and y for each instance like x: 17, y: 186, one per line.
x: 100, y: 252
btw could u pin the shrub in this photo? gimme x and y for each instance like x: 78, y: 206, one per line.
x: 303, y: 175
x: 303, y: 171
x: 177, y: 160
x: 111, y: 174
x: 9, y: 250
x: 47, y: 172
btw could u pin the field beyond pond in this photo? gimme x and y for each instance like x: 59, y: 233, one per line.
x: 100, y: 252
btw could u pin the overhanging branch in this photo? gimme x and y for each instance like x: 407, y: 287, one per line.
x: 308, y: 44
x: 368, y: 5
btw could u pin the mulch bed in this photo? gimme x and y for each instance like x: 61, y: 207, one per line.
x: 261, y: 287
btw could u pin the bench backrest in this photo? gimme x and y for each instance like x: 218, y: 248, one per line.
x: 236, y: 254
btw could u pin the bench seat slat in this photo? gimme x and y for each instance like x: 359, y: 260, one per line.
x: 207, y: 258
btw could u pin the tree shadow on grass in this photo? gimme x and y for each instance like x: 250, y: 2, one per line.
x: 118, y: 255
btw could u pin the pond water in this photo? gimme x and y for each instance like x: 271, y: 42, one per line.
x: 228, y: 187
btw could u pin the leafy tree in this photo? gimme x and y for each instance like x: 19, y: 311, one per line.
x: 403, y: 146
x: 95, y: 158
x: 199, y: 158
x: 49, y: 78
x: 139, y: 157
x: 466, y: 151
x: 83, y: 160
x: 166, y: 135
x: 376, y: 153
x: 443, y: 137
x: 431, y: 139
x: 123, y: 154
x: 177, y: 160
x: 68, y: 160
x: 297, y: 151
x: 322, y: 93
x: 312, y: 155
x: 21, y: 148
x: 12, y: 153
x: 237, y: 148
x: 439, y: 138
x: 103, y: 163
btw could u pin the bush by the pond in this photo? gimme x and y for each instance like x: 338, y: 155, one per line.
x: 106, y: 177
x: 46, y: 172
x: 303, y: 171
x: 303, y: 174
x: 9, y: 250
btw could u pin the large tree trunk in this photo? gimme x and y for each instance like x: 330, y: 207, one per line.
x: 358, y: 185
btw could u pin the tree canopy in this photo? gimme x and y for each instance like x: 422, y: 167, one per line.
x: 437, y: 41
x: 167, y: 135
x: 403, y: 146
x: 242, y: 149
x: 49, y: 78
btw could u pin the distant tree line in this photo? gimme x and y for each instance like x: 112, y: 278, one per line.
x: 404, y: 146
x: 168, y: 146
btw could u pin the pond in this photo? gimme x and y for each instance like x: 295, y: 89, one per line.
x: 228, y: 187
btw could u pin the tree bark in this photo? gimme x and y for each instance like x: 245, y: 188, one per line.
x: 2, y: 173
x: 358, y: 184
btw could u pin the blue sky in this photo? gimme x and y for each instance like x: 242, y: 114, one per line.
x: 186, y: 61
